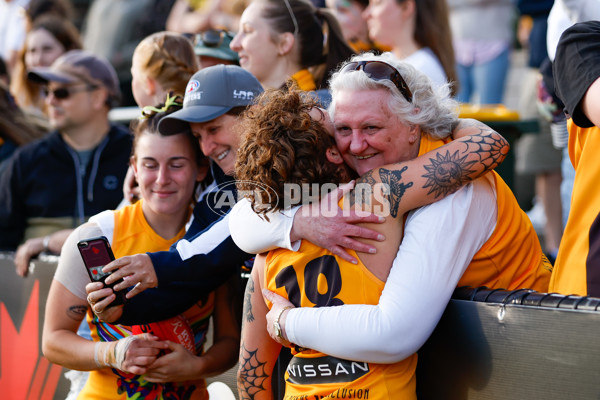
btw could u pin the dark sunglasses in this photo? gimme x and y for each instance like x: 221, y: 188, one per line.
x: 379, y: 70
x: 209, y: 38
x: 64, y: 92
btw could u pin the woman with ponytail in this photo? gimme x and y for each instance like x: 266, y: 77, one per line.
x: 290, y: 39
x: 162, y: 62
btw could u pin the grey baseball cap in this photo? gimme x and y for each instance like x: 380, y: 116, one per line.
x: 80, y: 66
x: 210, y: 93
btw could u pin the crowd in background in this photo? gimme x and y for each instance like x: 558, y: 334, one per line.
x: 443, y: 39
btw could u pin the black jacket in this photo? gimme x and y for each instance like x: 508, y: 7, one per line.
x: 41, y: 179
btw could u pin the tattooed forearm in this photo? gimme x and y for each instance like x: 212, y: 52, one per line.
x: 251, y: 374
x: 392, y: 180
x: 248, y: 315
x: 363, y: 190
x: 391, y: 188
x: 446, y: 174
x: 488, y: 145
x: 490, y: 148
x: 76, y: 312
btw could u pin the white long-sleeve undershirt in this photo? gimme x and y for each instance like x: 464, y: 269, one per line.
x: 439, y: 243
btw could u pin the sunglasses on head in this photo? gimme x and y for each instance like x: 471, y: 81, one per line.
x: 210, y: 38
x: 65, y: 92
x: 378, y: 70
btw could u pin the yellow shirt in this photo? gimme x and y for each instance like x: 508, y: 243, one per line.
x: 577, y: 267
x: 314, y: 277
x: 133, y: 235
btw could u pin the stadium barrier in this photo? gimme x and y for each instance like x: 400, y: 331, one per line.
x: 489, y: 344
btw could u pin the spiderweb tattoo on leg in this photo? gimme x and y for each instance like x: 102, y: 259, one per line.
x: 251, y: 374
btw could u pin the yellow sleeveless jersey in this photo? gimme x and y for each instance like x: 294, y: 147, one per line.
x: 314, y: 277
x: 133, y: 235
x: 512, y: 258
x: 577, y: 267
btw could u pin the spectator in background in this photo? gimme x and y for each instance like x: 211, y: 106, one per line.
x: 280, y: 40
x: 13, y: 28
x: 16, y: 127
x: 577, y: 79
x: 112, y: 30
x: 162, y: 62
x: 535, y: 154
x: 354, y: 27
x: 16, y: 19
x: 212, y: 48
x: 483, y: 33
x: 39, y: 8
x: 418, y: 31
x: 73, y: 172
x: 48, y: 39
x: 195, y: 16
x: 565, y: 13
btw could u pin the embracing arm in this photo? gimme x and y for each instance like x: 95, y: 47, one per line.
x: 194, y: 265
x: 487, y: 149
x: 438, y: 173
x: 439, y: 242
x: 258, y: 352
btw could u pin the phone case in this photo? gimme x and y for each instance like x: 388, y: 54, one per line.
x: 96, y: 253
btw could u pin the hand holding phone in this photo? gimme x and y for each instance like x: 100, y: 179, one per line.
x: 96, y: 253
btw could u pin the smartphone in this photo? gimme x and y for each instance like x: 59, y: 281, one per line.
x: 96, y: 253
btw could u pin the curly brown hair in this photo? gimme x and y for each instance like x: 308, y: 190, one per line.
x: 282, y: 143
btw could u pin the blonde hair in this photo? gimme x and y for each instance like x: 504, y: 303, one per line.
x: 168, y: 58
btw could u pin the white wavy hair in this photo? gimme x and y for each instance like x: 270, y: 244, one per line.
x: 431, y: 108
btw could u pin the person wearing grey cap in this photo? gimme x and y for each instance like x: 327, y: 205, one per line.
x: 207, y: 256
x: 73, y: 172
x: 577, y: 80
x: 212, y: 48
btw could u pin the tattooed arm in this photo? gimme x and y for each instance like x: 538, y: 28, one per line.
x: 341, y: 232
x: 258, y: 352
x: 60, y: 343
x: 411, y: 184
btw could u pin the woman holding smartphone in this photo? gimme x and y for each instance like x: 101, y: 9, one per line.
x: 167, y: 168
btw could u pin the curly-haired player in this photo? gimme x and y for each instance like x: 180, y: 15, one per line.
x: 289, y: 140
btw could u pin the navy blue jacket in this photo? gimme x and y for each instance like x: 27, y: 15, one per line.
x: 42, y: 179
